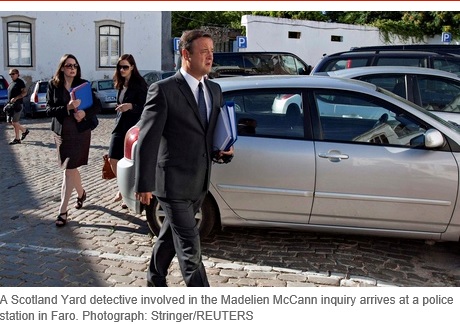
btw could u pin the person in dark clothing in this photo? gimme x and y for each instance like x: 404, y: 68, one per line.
x: 132, y: 91
x: 174, y: 157
x: 16, y: 91
x: 72, y: 130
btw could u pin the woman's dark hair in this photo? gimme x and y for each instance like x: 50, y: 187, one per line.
x: 136, y: 77
x: 188, y: 36
x: 58, y: 78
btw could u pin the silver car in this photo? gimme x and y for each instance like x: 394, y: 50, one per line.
x: 434, y: 90
x: 357, y: 160
x: 106, y: 93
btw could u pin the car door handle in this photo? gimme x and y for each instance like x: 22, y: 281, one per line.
x: 333, y: 156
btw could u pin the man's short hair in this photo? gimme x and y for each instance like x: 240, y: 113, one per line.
x: 189, y: 36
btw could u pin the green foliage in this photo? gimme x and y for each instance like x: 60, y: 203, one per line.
x: 404, y: 25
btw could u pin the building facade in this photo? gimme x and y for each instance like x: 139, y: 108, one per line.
x: 33, y: 42
x: 310, y: 40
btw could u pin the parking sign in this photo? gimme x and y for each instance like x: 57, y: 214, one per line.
x: 446, y: 37
x: 242, y: 41
x: 176, y: 44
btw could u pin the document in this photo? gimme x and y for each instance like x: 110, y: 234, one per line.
x: 225, y: 133
x: 84, y: 93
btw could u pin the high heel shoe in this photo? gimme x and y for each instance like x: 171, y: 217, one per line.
x: 79, y: 203
x: 117, y: 197
x: 61, y: 221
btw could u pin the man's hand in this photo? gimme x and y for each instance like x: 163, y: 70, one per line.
x: 144, y: 197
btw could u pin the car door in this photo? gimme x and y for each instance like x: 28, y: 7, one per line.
x: 370, y: 174
x: 272, y: 176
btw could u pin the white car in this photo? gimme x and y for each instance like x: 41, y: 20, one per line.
x: 359, y: 160
x: 432, y: 89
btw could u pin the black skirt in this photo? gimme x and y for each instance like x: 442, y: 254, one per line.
x: 72, y: 146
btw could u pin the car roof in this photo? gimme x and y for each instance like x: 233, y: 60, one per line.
x: 366, y: 70
x: 292, y: 81
x: 391, y: 53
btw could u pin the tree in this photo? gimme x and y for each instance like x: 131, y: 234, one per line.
x: 405, y: 25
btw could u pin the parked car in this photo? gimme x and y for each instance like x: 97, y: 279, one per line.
x: 226, y: 64
x: 3, y: 95
x: 106, y: 93
x: 360, y: 160
x: 434, y: 90
x: 440, y: 48
x: 353, y: 59
x: 154, y: 76
x: 35, y: 101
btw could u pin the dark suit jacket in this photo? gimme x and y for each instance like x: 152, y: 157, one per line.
x: 173, y: 158
x: 57, y: 99
x: 135, y: 94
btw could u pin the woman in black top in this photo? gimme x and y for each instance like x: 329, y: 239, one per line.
x: 132, y: 92
x: 72, y: 130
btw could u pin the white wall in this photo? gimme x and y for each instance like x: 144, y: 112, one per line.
x: 57, y: 33
x: 271, y: 34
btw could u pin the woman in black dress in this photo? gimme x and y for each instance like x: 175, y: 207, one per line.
x: 132, y: 92
x: 72, y: 130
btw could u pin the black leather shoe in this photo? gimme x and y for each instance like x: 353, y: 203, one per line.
x: 158, y: 283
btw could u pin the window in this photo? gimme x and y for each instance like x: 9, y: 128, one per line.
x: 402, y: 61
x: 293, y: 34
x: 439, y: 94
x: 347, y: 117
x: 109, y: 46
x: 110, y: 43
x: 391, y: 82
x: 340, y: 64
x: 449, y: 65
x: 19, y: 43
x: 269, y: 114
x: 335, y: 38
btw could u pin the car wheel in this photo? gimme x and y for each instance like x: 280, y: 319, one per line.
x: 205, y: 218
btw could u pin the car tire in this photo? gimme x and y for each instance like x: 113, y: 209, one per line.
x: 206, y: 216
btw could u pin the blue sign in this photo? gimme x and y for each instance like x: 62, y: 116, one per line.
x: 242, y: 41
x: 176, y: 44
x: 446, y: 37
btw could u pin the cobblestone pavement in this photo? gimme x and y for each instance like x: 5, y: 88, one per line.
x: 104, y: 245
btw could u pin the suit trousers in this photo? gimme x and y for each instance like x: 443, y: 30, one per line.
x: 179, y: 236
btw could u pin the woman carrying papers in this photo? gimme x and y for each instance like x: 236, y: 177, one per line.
x: 72, y: 130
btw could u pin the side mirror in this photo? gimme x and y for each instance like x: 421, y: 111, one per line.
x: 434, y: 138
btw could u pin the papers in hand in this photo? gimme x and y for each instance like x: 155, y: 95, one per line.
x: 84, y: 93
x: 225, y: 133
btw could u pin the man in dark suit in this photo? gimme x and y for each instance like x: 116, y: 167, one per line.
x: 173, y: 158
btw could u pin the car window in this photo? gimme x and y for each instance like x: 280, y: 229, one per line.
x: 439, y: 94
x: 151, y: 78
x: 344, y: 63
x: 268, y: 114
x: 105, y: 85
x: 401, y: 61
x: 393, y: 83
x: 259, y: 63
x: 446, y: 64
x: 43, y: 86
x: 348, y: 117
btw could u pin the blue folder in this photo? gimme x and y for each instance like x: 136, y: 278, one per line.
x: 225, y: 133
x: 84, y: 93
